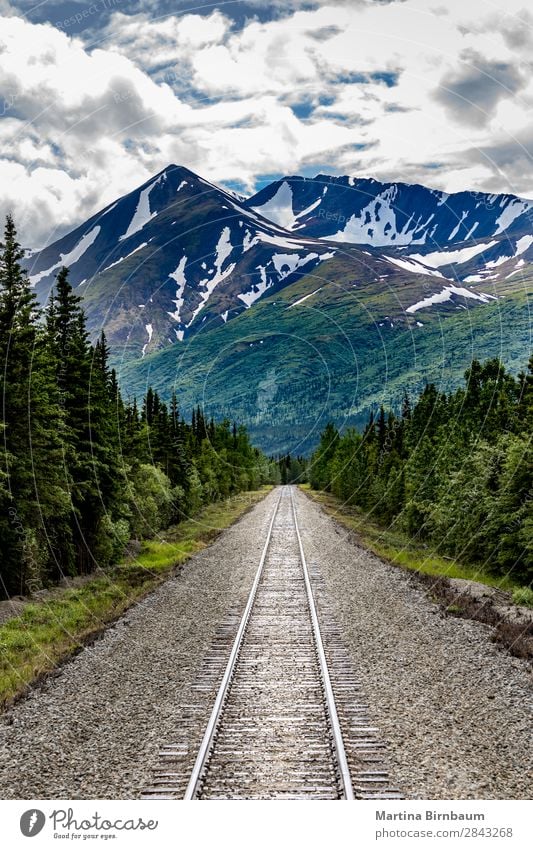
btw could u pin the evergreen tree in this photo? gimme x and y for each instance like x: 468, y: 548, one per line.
x: 32, y: 424
x: 72, y: 355
x: 319, y: 473
x: 455, y: 469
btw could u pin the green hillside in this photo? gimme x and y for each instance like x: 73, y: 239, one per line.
x: 285, y: 370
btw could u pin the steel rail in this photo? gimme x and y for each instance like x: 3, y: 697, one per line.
x: 329, y: 698
x: 209, y: 734
x: 331, y: 706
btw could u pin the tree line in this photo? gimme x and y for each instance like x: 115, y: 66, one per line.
x: 455, y: 469
x: 291, y: 470
x: 82, y: 471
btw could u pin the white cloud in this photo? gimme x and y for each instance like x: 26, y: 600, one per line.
x: 382, y: 89
x: 455, y: 59
x: 160, y: 44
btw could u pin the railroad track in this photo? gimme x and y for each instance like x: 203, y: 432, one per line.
x: 287, y: 720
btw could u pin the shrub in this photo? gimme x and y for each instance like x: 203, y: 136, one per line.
x: 523, y: 596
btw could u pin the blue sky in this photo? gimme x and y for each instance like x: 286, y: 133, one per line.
x: 97, y: 96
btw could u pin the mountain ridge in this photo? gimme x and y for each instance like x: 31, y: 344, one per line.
x: 165, y: 248
x: 172, y: 249
x: 350, y: 194
x: 201, y: 292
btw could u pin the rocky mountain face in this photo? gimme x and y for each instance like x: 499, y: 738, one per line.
x: 468, y: 236
x: 175, y: 255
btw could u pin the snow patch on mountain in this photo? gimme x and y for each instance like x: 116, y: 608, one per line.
x: 284, y: 241
x: 70, y: 258
x: 436, y: 259
x: 222, y: 251
x: 142, y: 214
x: 223, y: 248
x: 285, y: 264
x: 83, y: 245
x: 179, y: 276
x: 256, y: 291
x: 149, y: 329
x: 210, y: 286
x: 446, y: 295
x: 376, y: 224
x: 108, y: 209
x: 518, y: 267
x: 523, y: 245
x: 472, y: 231
x: 456, y: 229
x: 512, y: 211
x: 278, y: 241
x: 249, y: 241
x: 414, y: 266
x: 309, y: 209
x: 122, y: 258
x: 494, y: 263
x: 279, y: 207
x: 305, y: 297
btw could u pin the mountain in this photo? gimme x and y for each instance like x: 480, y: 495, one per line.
x: 468, y: 236
x: 277, y: 312
x: 170, y: 256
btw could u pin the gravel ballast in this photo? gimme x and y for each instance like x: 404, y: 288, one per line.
x: 94, y: 731
x: 453, y: 708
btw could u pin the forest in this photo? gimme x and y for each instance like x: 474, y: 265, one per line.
x: 82, y: 471
x: 454, y: 470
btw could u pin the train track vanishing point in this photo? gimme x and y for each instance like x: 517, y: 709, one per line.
x: 287, y: 720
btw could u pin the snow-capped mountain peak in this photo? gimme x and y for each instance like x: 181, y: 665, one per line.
x: 365, y: 211
x: 171, y: 255
x: 180, y: 253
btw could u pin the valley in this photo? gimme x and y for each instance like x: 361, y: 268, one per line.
x: 266, y: 491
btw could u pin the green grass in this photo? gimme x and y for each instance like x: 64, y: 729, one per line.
x: 397, y: 548
x: 523, y: 596
x: 48, y: 631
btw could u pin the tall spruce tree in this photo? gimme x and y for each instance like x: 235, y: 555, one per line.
x: 32, y: 424
x: 103, y: 502
x: 71, y: 353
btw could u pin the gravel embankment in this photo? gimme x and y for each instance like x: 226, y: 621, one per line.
x: 94, y: 731
x: 453, y: 708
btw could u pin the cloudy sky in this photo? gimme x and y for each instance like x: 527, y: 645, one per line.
x: 97, y: 96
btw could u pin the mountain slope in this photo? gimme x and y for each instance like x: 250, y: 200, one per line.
x: 368, y: 212
x: 465, y: 235
x: 179, y: 252
x: 334, y: 345
x: 174, y: 253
